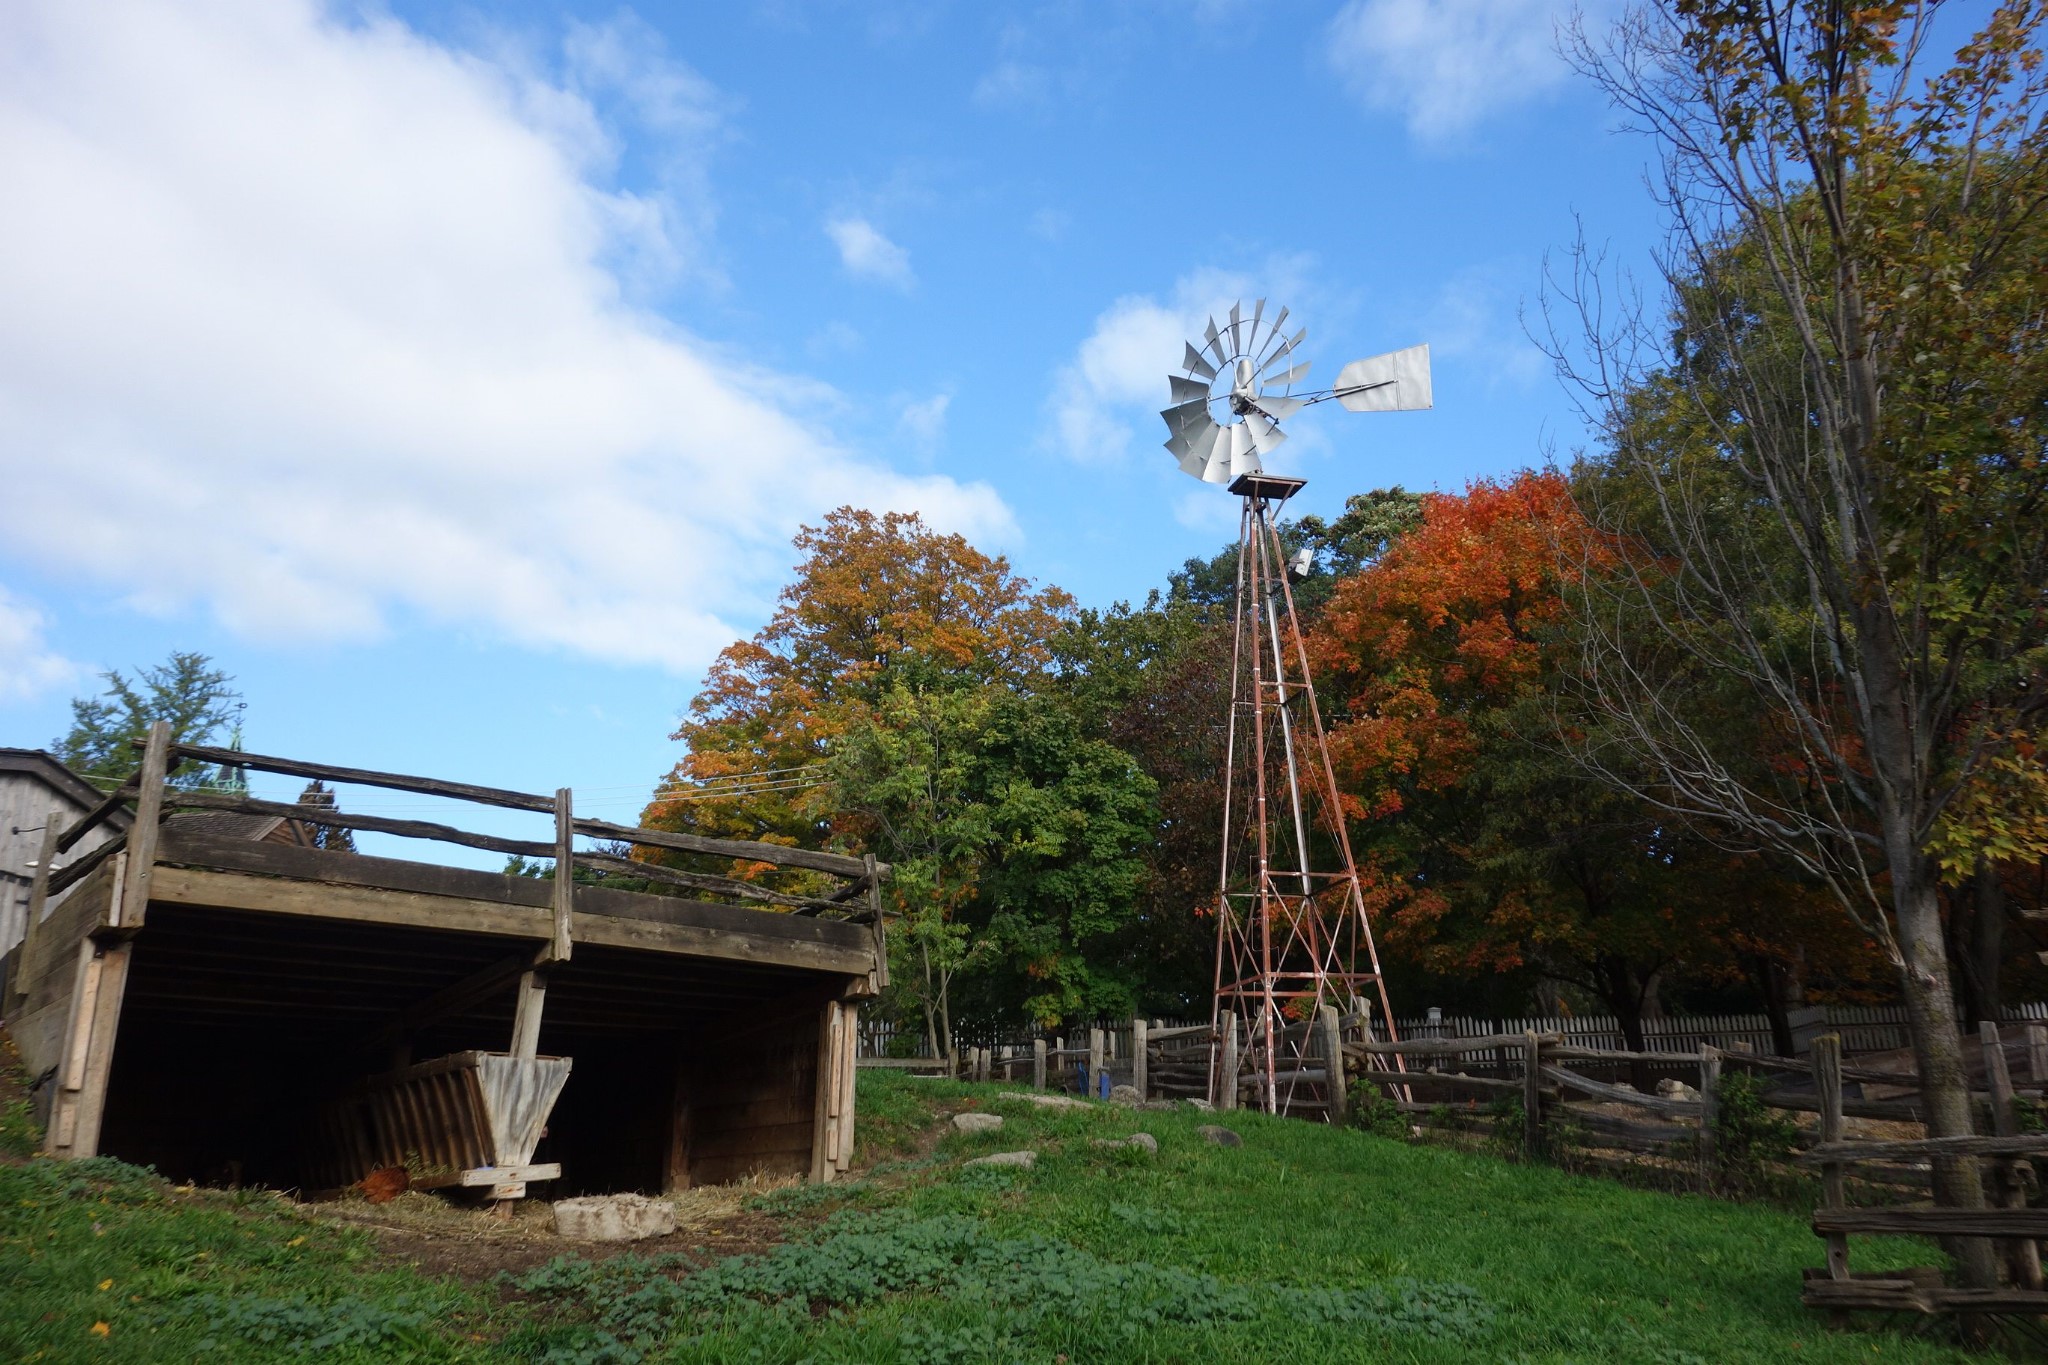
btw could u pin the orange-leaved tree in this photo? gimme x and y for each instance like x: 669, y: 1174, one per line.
x: 1484, y: 846
x: 872, y: 594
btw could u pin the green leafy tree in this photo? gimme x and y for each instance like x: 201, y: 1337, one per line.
x: 197, y: 699
x: 1837, y: 446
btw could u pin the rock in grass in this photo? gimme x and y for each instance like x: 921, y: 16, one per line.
x: 1218, y: 1134
x: 1202, y: 1105
x: 1043, y: 1100
x: 614, y: 1218
x: 1144, y: 1142
x: 1126, y: 1094
x: 977, y: 1123
x: 1021, y: 1160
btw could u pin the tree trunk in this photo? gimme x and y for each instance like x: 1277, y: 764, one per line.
x: 1773, y: 983
x: 1938, y: 1046
x: 1625, y: 995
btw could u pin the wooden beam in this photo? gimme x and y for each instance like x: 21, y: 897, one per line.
x: 38, y: 894
x: 531, y: 1001
x: 327, y: 815
x: 92, y: 818
x: 838, y: 864
x: 142, y: 834
x: 562, y: 942
x: 77, y: 871
x: 703, y: 881
x: 451, y: 999
x: 365, y: 777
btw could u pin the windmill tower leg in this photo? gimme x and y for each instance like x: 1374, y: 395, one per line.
x: 1292, y: 931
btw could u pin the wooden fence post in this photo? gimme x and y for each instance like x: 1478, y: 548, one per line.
x: 2037, y: 1053
x: 1139, y: 1062
x: 1532, y: 1093
x: 1710, y: 1113
x: 2023, y: 1254
x: 1333, y: 1064
x: 532, y: 1000
x: 1095, y: 1051
x: 1226, y: 1076
x: 1038, y: 1063
x: 1827, y: 1080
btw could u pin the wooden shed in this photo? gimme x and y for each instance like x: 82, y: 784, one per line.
x: 259, y: 1012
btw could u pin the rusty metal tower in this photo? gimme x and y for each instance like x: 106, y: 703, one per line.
x: 1293, y: 937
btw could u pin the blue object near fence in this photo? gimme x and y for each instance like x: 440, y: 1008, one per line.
x: 1102, y: 1085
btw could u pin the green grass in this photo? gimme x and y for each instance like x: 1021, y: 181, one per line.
x: 1302, y: 1245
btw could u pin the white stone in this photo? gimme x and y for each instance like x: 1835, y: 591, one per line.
x: 1022, y: 1160
x: 1125, y: 1094
x: 614, y: 1218
x: 1202, y: 1105
x: 1221, y: 1136
x: 977, y: 1123
x: 1676, y: 1090
x: 1144, y: 1142
x: 1043, y: 1100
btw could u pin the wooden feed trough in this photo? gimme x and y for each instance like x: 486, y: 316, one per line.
x: 471, y: 1120
x: 240, y: 1012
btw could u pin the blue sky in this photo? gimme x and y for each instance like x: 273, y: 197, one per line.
x: 456, y: 375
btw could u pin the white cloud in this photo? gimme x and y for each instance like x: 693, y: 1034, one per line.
x: 1445, y: 66
x: 1474, y: 321
x: 924, y: 421
x: 867, y: 254
x: 1013, y: 85
x: 1116, y: 382
x: 319, y: 325
x: 29, y: 668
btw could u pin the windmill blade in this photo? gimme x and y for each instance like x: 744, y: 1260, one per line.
x: 1186, y: 416
x: 1279, y: 406
x: 1258, y: 313
x: 1395, y: 382
x: 1236, y: 342
x: 1244, y: 455
x: 1216, y: 347
x: 1286, y: 348
x: 1217, y: 470
x: 1266, y: 437
x: 1188, y: 390
x: 1274, y: 335
x: 1200, y: 450
x: 1196, y: 365
x: 1291, y: 376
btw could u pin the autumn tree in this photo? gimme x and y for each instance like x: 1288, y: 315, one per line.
x: 1830, y: 460
x: 871, y: 593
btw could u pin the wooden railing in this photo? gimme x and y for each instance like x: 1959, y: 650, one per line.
x: 857, y: 900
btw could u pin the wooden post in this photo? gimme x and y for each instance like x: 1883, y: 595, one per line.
x: 874, y: 878
x: 1710, y: 1113
x: 2037, y: 1053
x: 1140, y: 1064
x: 1226, y: 1076
x: 133, y: 906
x: 1333, y: 1064
x: 821, y: 1093
x: 38, y: 893
x: 1095, y: 1056
x: 1827, y: 1080
x: 1038, y: 1063
x: 532, y: 999
x: 565, y: 875
x: 1532, y: 1094
x: 2023, y: 1254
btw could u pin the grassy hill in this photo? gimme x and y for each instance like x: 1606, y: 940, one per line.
x: 1303, y: 1244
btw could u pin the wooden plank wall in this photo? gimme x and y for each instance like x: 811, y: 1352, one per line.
x: 752, y: 1097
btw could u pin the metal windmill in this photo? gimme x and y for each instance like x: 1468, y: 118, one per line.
x: 1293, y: 939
